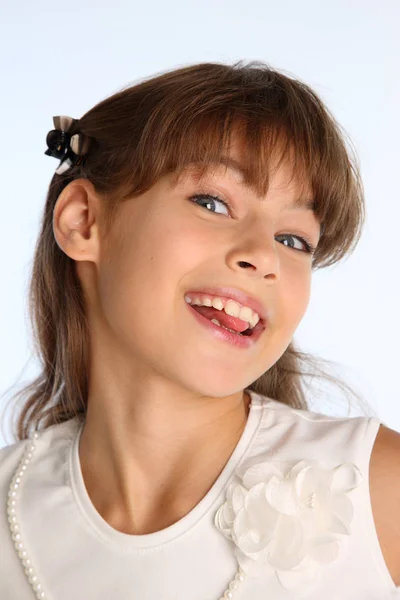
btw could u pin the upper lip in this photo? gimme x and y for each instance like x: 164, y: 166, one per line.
x: 235, y: 294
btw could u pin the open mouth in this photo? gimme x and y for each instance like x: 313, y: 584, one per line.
x: 229, y: 323
x: 241, y: 339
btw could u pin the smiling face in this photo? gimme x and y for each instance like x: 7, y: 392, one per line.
x: 167, y: 242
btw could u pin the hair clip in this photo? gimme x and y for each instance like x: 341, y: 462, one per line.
x: 71, y: 149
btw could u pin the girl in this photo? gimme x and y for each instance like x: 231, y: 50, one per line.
x: 166, y: 449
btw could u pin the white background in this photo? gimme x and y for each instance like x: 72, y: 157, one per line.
x: 62, y: 58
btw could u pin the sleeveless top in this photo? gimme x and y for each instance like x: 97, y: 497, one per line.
x: 291, y: 506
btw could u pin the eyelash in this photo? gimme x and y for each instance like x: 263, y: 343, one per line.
x: 310, y: 249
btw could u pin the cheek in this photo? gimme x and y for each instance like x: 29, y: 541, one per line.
x: 149, y: 263
x: 295, y: 293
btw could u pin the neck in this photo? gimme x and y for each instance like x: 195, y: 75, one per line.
x: 147, y: 466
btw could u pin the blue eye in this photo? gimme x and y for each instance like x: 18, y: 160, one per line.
x: 309, y: 247
x: 210, y: 199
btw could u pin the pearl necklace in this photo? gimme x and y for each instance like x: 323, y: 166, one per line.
x: 12, y: 505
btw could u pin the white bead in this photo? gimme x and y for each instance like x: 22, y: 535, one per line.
x: 228, y: 594
x: 13, y: 493
x: 233, y: 585
x: 36, y: 435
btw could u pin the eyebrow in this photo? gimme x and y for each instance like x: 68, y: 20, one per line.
x: 304, y: 202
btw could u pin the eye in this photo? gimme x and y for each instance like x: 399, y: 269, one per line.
x: 211, y: 199
x: 309, y: 248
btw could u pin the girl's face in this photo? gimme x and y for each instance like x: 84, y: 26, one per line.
x: 165, y: 244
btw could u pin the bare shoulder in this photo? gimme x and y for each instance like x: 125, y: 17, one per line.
x: 384, y: 480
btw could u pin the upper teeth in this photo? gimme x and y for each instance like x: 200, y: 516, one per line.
x: 232, y: 308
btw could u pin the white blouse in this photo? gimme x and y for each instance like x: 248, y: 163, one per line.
x: 291, y: 509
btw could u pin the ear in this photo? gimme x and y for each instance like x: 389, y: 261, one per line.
x: 76, y: 221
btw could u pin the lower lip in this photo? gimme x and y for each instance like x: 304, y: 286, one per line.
x: 235, y: 339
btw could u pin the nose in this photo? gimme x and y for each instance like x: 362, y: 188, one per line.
x: 261, y: 256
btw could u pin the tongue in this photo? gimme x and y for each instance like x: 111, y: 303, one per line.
x: 213, y: 313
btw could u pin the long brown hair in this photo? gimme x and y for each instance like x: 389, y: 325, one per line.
x: 156, y: 127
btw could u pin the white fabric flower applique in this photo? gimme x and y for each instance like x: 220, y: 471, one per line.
x: 288, y: 524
